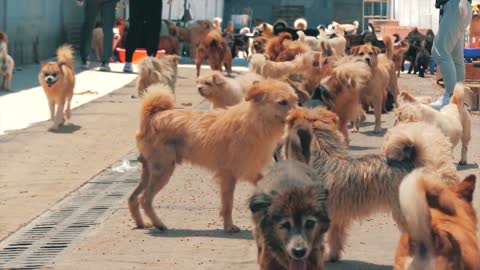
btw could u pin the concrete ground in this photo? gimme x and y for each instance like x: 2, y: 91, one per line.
x: 40, y: 168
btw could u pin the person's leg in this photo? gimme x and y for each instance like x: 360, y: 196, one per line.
x: 153, y: 27
x: 108, y: 18
x: 445, y: 41
x: 90, y: 14
x: 458, y: 52
x: 136, y: 20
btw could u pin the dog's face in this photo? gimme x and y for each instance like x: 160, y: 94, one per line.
x: 259, y: 44
x: 367, y: 52
x: 476, y: 9
x: 51, y: 73
x: 210, y: 84
x: 273, y: 98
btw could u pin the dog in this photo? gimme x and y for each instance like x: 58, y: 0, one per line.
x: 258, y: 45
x: 235, y: 144
x: 399, y: 49
x: 338, y: 42
x: 453, y: 120
x: 260, y: 64
x: 215, y: 49
x: 157, y: 70
x: 239, y: 45
x: 348, y: 28
x: 300, y: 24
x: 474, y: 27
x: 383, y: 76
x: 289, y: 210
x: 58, y: 81
x: 6, y: 63
x: 224, y: 92
x: 291, y: 51
x: 275, y: 46
x: 266, y: 30
x: 169, y: 44
x: 360, y: 186
x: 217, y: 24
x: 441, y: 231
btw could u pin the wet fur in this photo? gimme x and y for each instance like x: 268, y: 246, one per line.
x: 234, y: 144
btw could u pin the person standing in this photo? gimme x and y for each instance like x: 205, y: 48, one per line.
x: 448, y: 45
x: 145, y: 18
x: 107, y: 12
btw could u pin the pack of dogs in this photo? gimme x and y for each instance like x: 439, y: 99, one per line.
x: 303, y: 89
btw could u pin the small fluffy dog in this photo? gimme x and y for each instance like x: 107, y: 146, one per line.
x: 58, y: 81
x: 441, y: 224
x: 6, y: 63
x: 215, y: 49
x: 349, y: 28
x: 217, y: 24
x: 266, y: 29
x: 383, y: 76
x: 300, y: 24
x: 360, y: 186
x: 453, y: 120
x: 260, y: 64
x: 258, y: 45
x: 275, y: 46
x: 235, y: 144
x: 291, y: 51
x: 289, y: 211
x: 338, y: 42
x: 157, y: 70
x: 224, y: 92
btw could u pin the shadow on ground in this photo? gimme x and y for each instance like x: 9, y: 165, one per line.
x: 356, y: 265
x: 247, y: 235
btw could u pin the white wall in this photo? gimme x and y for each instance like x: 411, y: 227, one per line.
x: 199, y: 9
x: 422, y: 14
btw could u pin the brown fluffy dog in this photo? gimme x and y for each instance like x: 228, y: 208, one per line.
x: 360, y: 186
x: 399, y: 50
x: 58, y: 81
x: 441, y: 231
x: 290, y: 52
x: 235, y: 144
x: 169, y: 44
x: 259, y: 44
x: 215, y: 49
x: 157, y: 70
x: 266, y: 29
x: 453, y: 119
x: 275, y: 46
x: 260, y: 64
x: 289, y: 210
x: 224, y: 92
x: 383, y: 76
x: 474, y: 28
x: 6, y: 63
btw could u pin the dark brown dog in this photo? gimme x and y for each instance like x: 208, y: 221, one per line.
x: 169, y: 44
x: 290, y: 214
x: 215, y: 49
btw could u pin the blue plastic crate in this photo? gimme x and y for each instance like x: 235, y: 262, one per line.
x: 471, y: 53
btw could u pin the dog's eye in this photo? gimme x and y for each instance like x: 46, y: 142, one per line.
x: 286, y: 225
x: 370, y: 53
x: 45, y: 74
x: 361, y: 54
x: 283, y: 102
x: 309, y: 224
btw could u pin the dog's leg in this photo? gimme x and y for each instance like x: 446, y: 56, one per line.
x: 227, y: 186
x: 133, y: 203
x: 68, y: 111
x: 198, y: 64
x: 58, y: 117
x: 2, y: 86
x: 337, y: 235
x: 344, y: 130
x: 160, y: 173
x: 377, y: 110
x: 51, y: 106
x: 466, y: 136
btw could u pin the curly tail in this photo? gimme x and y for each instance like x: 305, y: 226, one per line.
x: 65, y: 55
x: 159, y: 97
x: 388, y: 40
x: 458, y: 97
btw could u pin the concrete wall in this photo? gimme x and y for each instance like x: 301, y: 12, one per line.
x: 199, y: 9
x: 36, y: 27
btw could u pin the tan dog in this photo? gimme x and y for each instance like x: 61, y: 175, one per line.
x: 275, y: 46
x: 235, y: 144
x: 454, y: 119
x: 338, y: 43
x: 224, y: 92
x: 383, y: 74
x: 399, y: 50
x: 266, y: 29
x: 474, y: 28
x: 349, y: 28
x: 215, y: 49
x: 260, y: 64
x: 258, y: 45
x: 58, y: 81
x: 441, y: 231
x: 157, y: 70
x: 360, y: 186
x: 6, y: 63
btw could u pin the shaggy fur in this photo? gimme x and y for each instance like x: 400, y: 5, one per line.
x: 6, y: 63
x: 300, y: 24
x: 399, y: 50
x: 295, y: 48
x: 275, y: 46
x: 364, y: 185
x: 383, y: 76
x: 338, y: 43
x: 453, y: 120
x: 223, y: 92
x: 441, y: 224
x: 349, y: 28
x: 157, y: 70
x: 215, y: 49
x: 289, y: 210
x: 235, y: 144
x: 266, y: 29
x: 258, y: 45
x: 58, y: 81
x: 269, y: 69
x: 474, y: 28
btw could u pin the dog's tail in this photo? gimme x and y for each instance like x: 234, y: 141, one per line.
x: 397, y: 38
x: 371, y: 27
x: 65, y: 55
x: 352, y: 73
x: 159, y: 97
x: 458, y: 97
x: 388, y: 40
x: 415, y: 210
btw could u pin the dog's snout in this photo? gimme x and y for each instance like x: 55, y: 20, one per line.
x: 368, y: 61
x: 49, y: 80
x: 299, y: 252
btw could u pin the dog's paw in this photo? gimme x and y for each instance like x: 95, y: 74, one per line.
x: 231, y: 229
x: 354, y: 130
x: 161, y: 227
x: 377, y: 130
x: 142, y: 226
x: 462, y: 162
x: 332, y: 258
x: 53, y: 128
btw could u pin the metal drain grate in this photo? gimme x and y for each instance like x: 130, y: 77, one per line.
x: 38, y: 243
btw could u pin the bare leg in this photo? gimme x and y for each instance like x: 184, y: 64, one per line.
x: 133, y: 204
x: 337, y: 235
x: 227, y: 186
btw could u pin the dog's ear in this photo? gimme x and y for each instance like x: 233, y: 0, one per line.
x: 298, y: 143
x: 405, y: 96
x: 175, y: 58
x: 259, y: 203
x: 218, y: 79
x: 354, y: 50
x: 466, y: 187
x: 256, y: 93
x: 376, y: 50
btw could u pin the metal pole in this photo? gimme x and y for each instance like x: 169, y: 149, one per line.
x: 184, y: 12
x: 170, y: 11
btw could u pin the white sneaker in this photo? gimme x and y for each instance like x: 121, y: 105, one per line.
x: 441, y: 102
